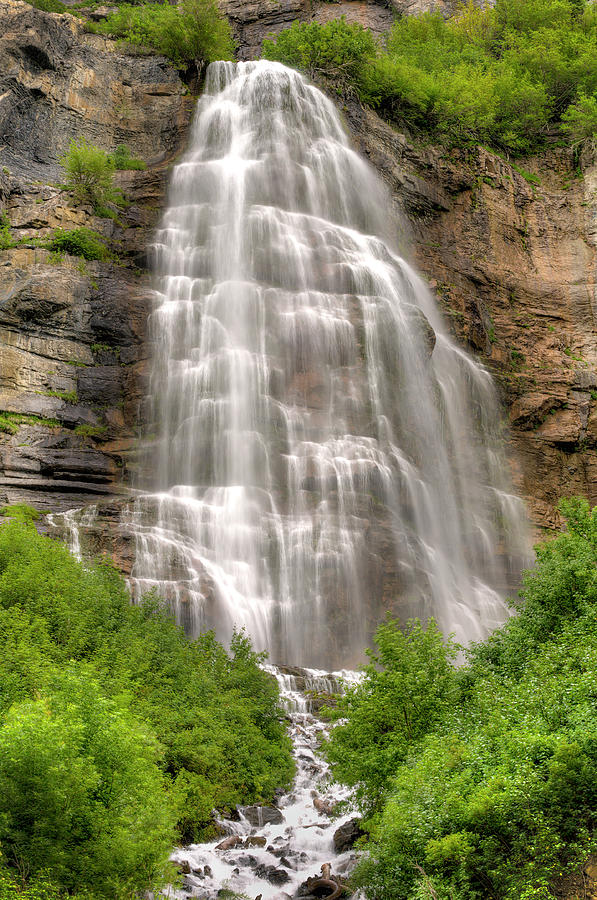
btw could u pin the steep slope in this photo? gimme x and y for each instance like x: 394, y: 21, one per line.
x: 71, y: 332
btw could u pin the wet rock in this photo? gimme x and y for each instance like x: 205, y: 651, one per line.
x: 325, y: 807
x: 247, y: 860
x: 347, y: 835
x: 272, y: 874
x: 229, y: 843
x: 258, y: 816
x: 184, y: 868
x: 255, y: 840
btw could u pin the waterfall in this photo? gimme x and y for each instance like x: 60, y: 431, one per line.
x: 317, y: 448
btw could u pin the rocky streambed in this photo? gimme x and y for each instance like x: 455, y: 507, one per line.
x: 300, y: 847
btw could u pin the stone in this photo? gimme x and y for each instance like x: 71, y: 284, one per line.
x: 255, y: 840
x: 258, y: 816
x: 347, y: 835
x: 229, y: 843
x: 272, y: 874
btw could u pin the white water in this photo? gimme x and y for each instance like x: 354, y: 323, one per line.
x: 310, y: 462
x: 298, y: 845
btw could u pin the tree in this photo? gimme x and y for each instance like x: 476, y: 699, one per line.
x: 81, y: 794
x: 90, y: 174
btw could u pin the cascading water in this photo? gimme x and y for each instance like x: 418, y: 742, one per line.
x: 271, y: 851
x: 319, y: 450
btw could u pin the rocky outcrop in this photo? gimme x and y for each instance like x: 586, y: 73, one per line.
x: 72, y: 355
x: 258, y: 19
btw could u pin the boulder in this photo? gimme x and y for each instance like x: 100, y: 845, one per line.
x: 347, y: 835
x: 272, y: 874
x: 258, y: 816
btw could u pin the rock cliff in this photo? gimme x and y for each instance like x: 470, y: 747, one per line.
x: 72, y: 332
x: 511, y: 256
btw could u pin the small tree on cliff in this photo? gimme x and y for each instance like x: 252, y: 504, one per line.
x: 193, y: 33
x: 90, y: 174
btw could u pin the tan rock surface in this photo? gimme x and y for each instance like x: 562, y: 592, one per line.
x: 72, y: 331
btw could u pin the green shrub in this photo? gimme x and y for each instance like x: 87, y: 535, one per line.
x: 90, y: 174
x: 495, y: 793
x: 82, y: 242
x: 20, y: 511
x: 82, y: 794
x: 192, y: 33
x: 123, y: 160
x: 503, y: 76
x: 52, y: 6
x: 114, y: 725
x: 6, y: 239
x: 337, y: 51
x: 580, y: 119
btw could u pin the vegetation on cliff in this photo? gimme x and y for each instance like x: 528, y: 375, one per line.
x: 510, y: 76
x: 118, y: 736
x: 481, y: 781
x: 193, y: 33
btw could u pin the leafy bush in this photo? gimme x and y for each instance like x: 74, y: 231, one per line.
x: 336, y: 50
x: 53, y: 6
x: 495, y: 792
x: 90, y: 174
x: 79, y: 242
x: 82, y: 795
x: 503, y: 76
x: 6, y: 239
x: 192, y: 33
x: 580, y: 119
x: 114, y: 726
x: 123, y: 160
x: 21, y: 511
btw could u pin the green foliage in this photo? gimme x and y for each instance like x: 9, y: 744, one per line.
x: 9, y: 422
x: 92, y: 431
x: 580, y: 119
x: 123, y: 160
x: 82, y: 242
x: 408, y: 684
x: 82, y: 795
x: 67, y: 396
x: 52, y: 6
x: 20, y: 511
x: 6, y: 239
x: 336, y: 50
x: 90, y: 175
x: 503, y: 77
x: 497, y: 792
x: 113, y: 726
x: 191, y: 33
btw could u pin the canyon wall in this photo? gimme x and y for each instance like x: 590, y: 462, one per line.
x: 511, y: 258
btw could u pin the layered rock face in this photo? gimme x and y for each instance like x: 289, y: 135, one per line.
x: 513, y: 263
x: 71, y: 331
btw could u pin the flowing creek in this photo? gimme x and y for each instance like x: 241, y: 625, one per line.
x: 272, y: 851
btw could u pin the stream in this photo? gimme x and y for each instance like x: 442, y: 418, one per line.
x: 272, y: 850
